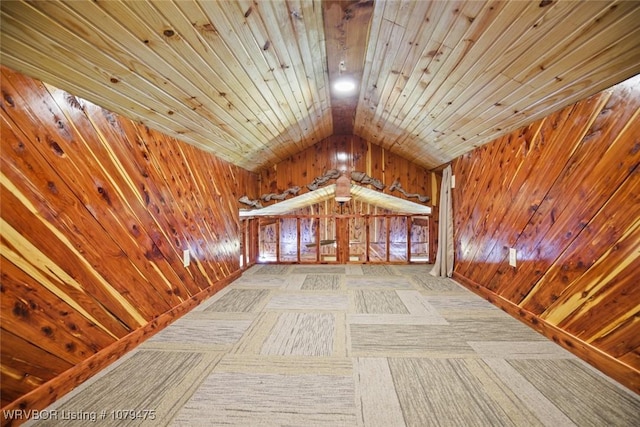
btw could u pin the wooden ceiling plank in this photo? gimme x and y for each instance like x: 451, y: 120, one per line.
x: 407, y: 59
x: 309, y: 45
x: 77, y: 82
x: 492, y: 85
x: 467, y: 47
x: 422, y: 156
x: 274, y: 26
x: 627, y: 67
x: 280, y: 64
x: 271, y: 78
x: 366, y: 85
x: 426, y: 32
x: 225, y: 74
x: 152, y: 60
x: 294, y: 34
x: 514, y: 91
x: 436, y: 128
x: 614, y: 52
x: 393, y: 34
x: 397, y: 48
x: 606, y: 23
x: 248, y: 70
x: 317, y: 47
x: 232, y: 82
x: 590, y: 54
x: 554, y: 19
x: 277, y: 21
x: 243, y: 53
x: 472, y: 66
x: 370, y: 97
x: 134, y: 92
x: 391, y: 9
x: 438, y: 56
x: 443, y: 24
x: 455, y: 114
x: 143, y: 22
x: 19, y: 34
x: 586, y: 91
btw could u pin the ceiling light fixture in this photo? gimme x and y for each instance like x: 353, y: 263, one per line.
x: 344, y: 85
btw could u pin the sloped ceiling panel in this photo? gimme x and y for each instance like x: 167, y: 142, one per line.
x: 246, y: 81
x: 251, y: 81
x: 443, y: 77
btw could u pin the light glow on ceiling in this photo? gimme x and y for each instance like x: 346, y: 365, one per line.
x: 344, y: 86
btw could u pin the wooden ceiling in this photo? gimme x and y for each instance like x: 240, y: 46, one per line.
x: 251, y: 81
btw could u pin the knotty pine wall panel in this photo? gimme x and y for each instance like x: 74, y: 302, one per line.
x: 349, y: 153
x: 565, y: 193
x: 96, y: 213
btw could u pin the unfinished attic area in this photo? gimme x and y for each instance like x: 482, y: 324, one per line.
x: 320, y: 213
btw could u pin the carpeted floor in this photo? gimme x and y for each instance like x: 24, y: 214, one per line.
x: 348, y: 346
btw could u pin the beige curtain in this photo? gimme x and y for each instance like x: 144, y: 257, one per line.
x: 443, y: 266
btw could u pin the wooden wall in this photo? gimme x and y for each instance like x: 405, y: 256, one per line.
x: 346, y: 153
x: 96, y: 213
x: 565, y: 193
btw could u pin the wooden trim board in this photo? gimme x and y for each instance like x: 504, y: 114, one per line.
x: 624, y: 374
x: 54, y: 389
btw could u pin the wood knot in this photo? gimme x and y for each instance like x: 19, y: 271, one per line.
x: 20, y: 147
x: 105, y: 196
x: 154, y: 253
x: 72, y: 101
x: 147, y: 198
x: 56, y: 148
x: 8, y: 99
x: 52, y: 187
x: 20, y: 310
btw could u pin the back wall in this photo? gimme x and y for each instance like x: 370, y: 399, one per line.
x: 349, y: 153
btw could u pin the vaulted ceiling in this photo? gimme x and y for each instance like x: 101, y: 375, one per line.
x: 252, y: 81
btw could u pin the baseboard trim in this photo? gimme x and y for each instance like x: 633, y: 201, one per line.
x: 621, y: 372
x: 57, y: 387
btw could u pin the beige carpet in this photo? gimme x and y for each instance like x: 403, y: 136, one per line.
x: 348, y: 346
